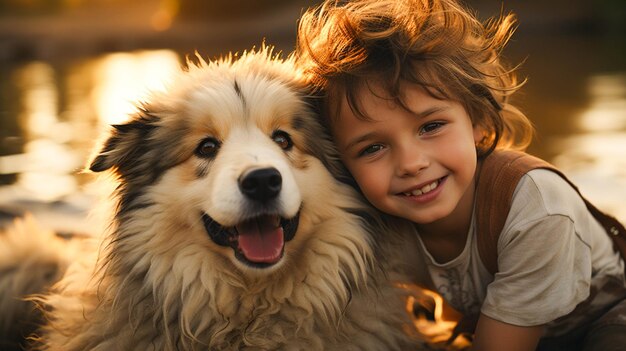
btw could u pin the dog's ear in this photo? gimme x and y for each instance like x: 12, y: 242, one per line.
x: 123, y: 147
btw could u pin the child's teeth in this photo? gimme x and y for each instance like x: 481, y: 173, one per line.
x: 424, y: 189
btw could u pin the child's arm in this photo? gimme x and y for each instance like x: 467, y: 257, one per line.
x: 493, y: 335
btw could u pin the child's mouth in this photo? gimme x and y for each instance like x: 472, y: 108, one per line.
x: 424, y: 189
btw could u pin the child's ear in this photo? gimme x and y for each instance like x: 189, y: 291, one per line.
x: 479, y: 133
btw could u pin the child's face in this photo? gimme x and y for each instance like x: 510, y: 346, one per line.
x: 418, y: 164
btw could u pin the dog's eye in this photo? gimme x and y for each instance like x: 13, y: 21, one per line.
x: 282, y: 139
x: 207, y: 148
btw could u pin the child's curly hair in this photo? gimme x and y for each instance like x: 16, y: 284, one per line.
x: 436, y: 44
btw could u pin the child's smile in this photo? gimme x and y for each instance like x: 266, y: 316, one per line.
x: 416, y: 163
x: 424, y: 193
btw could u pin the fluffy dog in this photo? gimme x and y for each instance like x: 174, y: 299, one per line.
x: 230, y: 231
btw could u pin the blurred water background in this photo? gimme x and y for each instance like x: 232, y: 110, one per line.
x: 69, y: 68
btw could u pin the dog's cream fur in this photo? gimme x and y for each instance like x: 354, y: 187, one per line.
x: 161, y: 283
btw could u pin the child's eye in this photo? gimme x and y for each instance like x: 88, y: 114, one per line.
x: 370, y: 149
x: 431, y: 127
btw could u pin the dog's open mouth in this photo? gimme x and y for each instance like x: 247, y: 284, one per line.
x: 259, y: 241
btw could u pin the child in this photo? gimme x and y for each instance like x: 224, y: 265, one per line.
x: 416, y: 97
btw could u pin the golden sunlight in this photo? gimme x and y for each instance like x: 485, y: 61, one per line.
x: 124, y: 78
x: 40, y: 99
x: 607, y: 110
x: 47, y: 162
x: 436, y: 331
x: 595, y: 159
x: 596, y: 163
x: 94, y: 94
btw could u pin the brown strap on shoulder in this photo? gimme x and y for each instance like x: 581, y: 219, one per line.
x: 498, y: 177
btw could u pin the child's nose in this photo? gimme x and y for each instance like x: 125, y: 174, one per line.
x: 410, y: 161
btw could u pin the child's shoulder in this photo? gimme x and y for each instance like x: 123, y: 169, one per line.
x: 536, y: 188
x: 548, y: 194
x: 519, y: 175
x: 529, y: 193
x: 512, y: 181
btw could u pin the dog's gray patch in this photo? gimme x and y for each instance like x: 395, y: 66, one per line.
x: 298, y: 123
x: 203, y: 170
x: 239, y: 93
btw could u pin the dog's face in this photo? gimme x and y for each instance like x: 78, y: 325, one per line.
x: 232, y: 160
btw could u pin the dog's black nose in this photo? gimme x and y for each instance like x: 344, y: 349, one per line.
x: 261, y: 184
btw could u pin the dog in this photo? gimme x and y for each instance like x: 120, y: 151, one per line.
x: 233, y: 228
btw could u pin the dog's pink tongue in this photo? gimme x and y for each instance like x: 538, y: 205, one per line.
x: 261, y: 239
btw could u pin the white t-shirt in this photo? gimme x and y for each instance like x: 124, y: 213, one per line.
x: 552, y: 255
